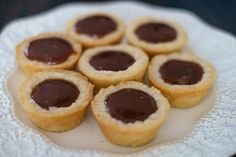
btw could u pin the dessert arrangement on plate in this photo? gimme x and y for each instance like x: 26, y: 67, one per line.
x: 88, y: 66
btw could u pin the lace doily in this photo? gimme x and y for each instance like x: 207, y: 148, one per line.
x: 213, y: 135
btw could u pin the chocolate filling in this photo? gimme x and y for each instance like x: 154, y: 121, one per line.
x: 181, y: 72
x: 156, y: 32
x: 111, y: 60
x: 130, y: 105
x: 55, y: 93
x: 51, y: 50
x: 97, y: 25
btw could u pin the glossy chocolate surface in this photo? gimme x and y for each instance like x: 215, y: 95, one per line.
x: 111, y: 61
x: 181, y: 72
x: 156, y: 32
x: 51, y: 50
x: 97, y: 25
x: 130, y: 105
x: 55, y: 93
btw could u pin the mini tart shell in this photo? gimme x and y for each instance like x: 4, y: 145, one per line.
x: 156, y: 48
x: 130, y: 134
x: 31, y: 66
x: 56, y: 119
x: 182, y: 96
x: 88, y: 41
x: 105, y: 78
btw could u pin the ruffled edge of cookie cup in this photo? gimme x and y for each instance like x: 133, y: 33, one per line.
x: 130, y: 134
x: 56, y: 119
x: 105, y: 78
x: 88, y: 41
x: 182, y: 96
x: 156, y: 48
x: 31, y: 66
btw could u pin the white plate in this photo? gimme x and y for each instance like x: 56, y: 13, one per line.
x: 185, y: 132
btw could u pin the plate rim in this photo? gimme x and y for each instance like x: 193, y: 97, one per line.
x: 92, y: 152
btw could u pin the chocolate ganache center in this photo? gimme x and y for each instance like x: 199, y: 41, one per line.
x: 181, y: 72
x: 55, y: 93
x: 51, y: 50
x: 111, y: 60
x: 130, y: 105
x: 156, y: 32
x: 97, y: 25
